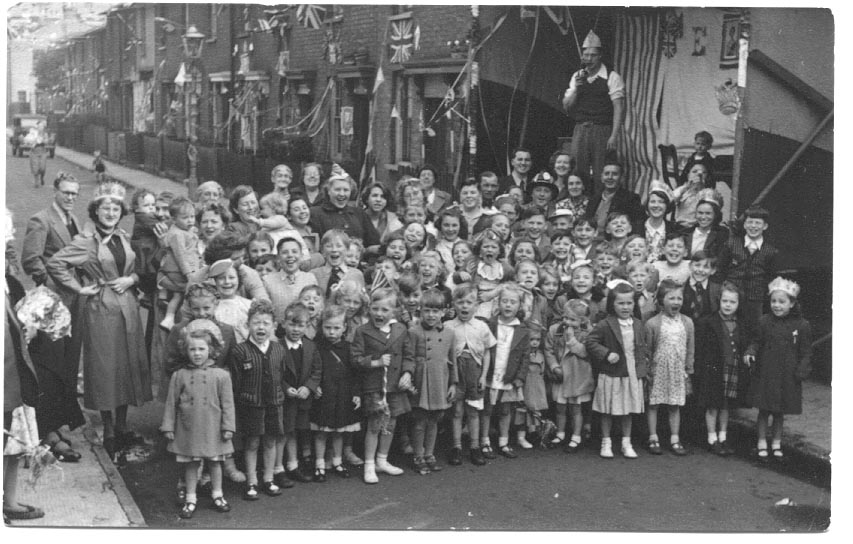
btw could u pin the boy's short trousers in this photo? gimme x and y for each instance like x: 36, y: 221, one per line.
x: 469, y: 378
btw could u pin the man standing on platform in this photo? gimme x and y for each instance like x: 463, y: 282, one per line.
x: 595, y: 100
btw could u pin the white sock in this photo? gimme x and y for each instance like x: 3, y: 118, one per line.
x: 561, y: 435
x: 606, y: 441
x: 381, y: 458
x: 191, y: 497
x: 292, y: 465
x: 320, y: 463
x: 503, y: 441
x: 576, y: 438
x: 777, y: 444
x: 216, y: 494
x: 337, y: 461
x: 278, y: 469
x: 762, y: 443
x: 712, y: 437
x: 653, y: 438
x: 722, y: 435
x: 626, y: 441
x: 673, y: 439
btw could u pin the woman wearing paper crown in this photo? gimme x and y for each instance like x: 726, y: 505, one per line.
x: 708, y: 234
x: 115, y: 365
x: 656, y: 228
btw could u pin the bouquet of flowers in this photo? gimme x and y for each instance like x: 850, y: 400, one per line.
x: 42, y: 310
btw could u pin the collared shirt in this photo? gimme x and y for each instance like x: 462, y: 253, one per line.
x: 615, y: 84
x: 751, y: 244
x: 263, y: 347
x: 292, y: 345
x: 386, y: 328
x: 472, y: 336
x: 698, y: 241
x: 693, y: 283
x: 66, y: 216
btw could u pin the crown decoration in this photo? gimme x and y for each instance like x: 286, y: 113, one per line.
x: 110, y: 189
x: 205, y: 325
x: 728, y: 97
x: 711, y: 196
x: 661, y: 189
x: 788, y: 287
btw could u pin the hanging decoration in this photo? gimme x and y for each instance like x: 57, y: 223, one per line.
x: 278, y: 18
x: 346, y: 121
x: 332, y: 45
x: 311, y: 15
x: 730, y: 41
x: 402, y: 41
x: 526, y: 12
x: 727, y: 97
x: 283, y: 63
x: 672, y: 28
x: 560, y: 18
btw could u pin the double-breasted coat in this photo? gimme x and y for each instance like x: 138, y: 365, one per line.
x: 370, y: 343
x: 199, y: 408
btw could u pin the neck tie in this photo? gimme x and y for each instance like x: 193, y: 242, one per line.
x: 700, y: 299
x: 334, y: 278
x: 72, y: 228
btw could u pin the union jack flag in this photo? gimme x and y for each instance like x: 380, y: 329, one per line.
x: 311, y: 15
x: 402, y: 40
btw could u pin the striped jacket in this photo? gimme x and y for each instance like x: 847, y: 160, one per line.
x: 257, y: 377
x: 751, y: 273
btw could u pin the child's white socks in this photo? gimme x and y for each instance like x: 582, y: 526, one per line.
x: 382, y: 465
x: 722, y: 435
x: 673, y: 439
x: 712, y: 438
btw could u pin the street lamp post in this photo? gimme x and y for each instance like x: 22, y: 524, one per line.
x: 193, y: 41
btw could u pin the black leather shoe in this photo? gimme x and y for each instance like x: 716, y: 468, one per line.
x: 455, y: 457
x: 319, y: 475
x: 298, y: 476
x: 282, y: 480
x: 477, y: 457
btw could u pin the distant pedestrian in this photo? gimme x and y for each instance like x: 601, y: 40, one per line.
x: 199, y: 418
x: 781, y: 355
x: 38, y: 162
x: 98, y: 166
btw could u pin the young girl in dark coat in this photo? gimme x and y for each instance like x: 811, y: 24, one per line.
x: 721, y: 340
x: 781, y: 353
x: 334, y: 411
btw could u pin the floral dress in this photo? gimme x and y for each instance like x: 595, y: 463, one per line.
x: 668, y: 364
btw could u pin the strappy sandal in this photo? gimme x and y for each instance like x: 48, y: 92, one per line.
x: 508, y: 452
x: 487, y: 452
x: 341, y: 471
x: 251, y: 493
x: 654, y: 447
x: 187, y: 510
x: 678, y: 449
x: 221, y: 505
x: 572, y: 447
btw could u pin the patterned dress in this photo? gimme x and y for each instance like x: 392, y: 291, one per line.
x: 668, y: 364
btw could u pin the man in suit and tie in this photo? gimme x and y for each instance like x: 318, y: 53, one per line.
x: 56, y: 362
x: 50, y: 230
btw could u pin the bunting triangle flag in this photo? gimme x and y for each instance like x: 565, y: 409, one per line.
x: 181, y: 78
x: 395, y: 113
x: 380, y: 78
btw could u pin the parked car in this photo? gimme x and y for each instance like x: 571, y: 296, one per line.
x: 27, y: 130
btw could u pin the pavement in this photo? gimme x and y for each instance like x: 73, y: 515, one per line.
x: 92, y: 493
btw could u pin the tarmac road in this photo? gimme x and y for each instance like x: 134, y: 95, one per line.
x: 541, y: 490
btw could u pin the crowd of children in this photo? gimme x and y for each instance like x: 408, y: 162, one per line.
x: 501, y: 327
